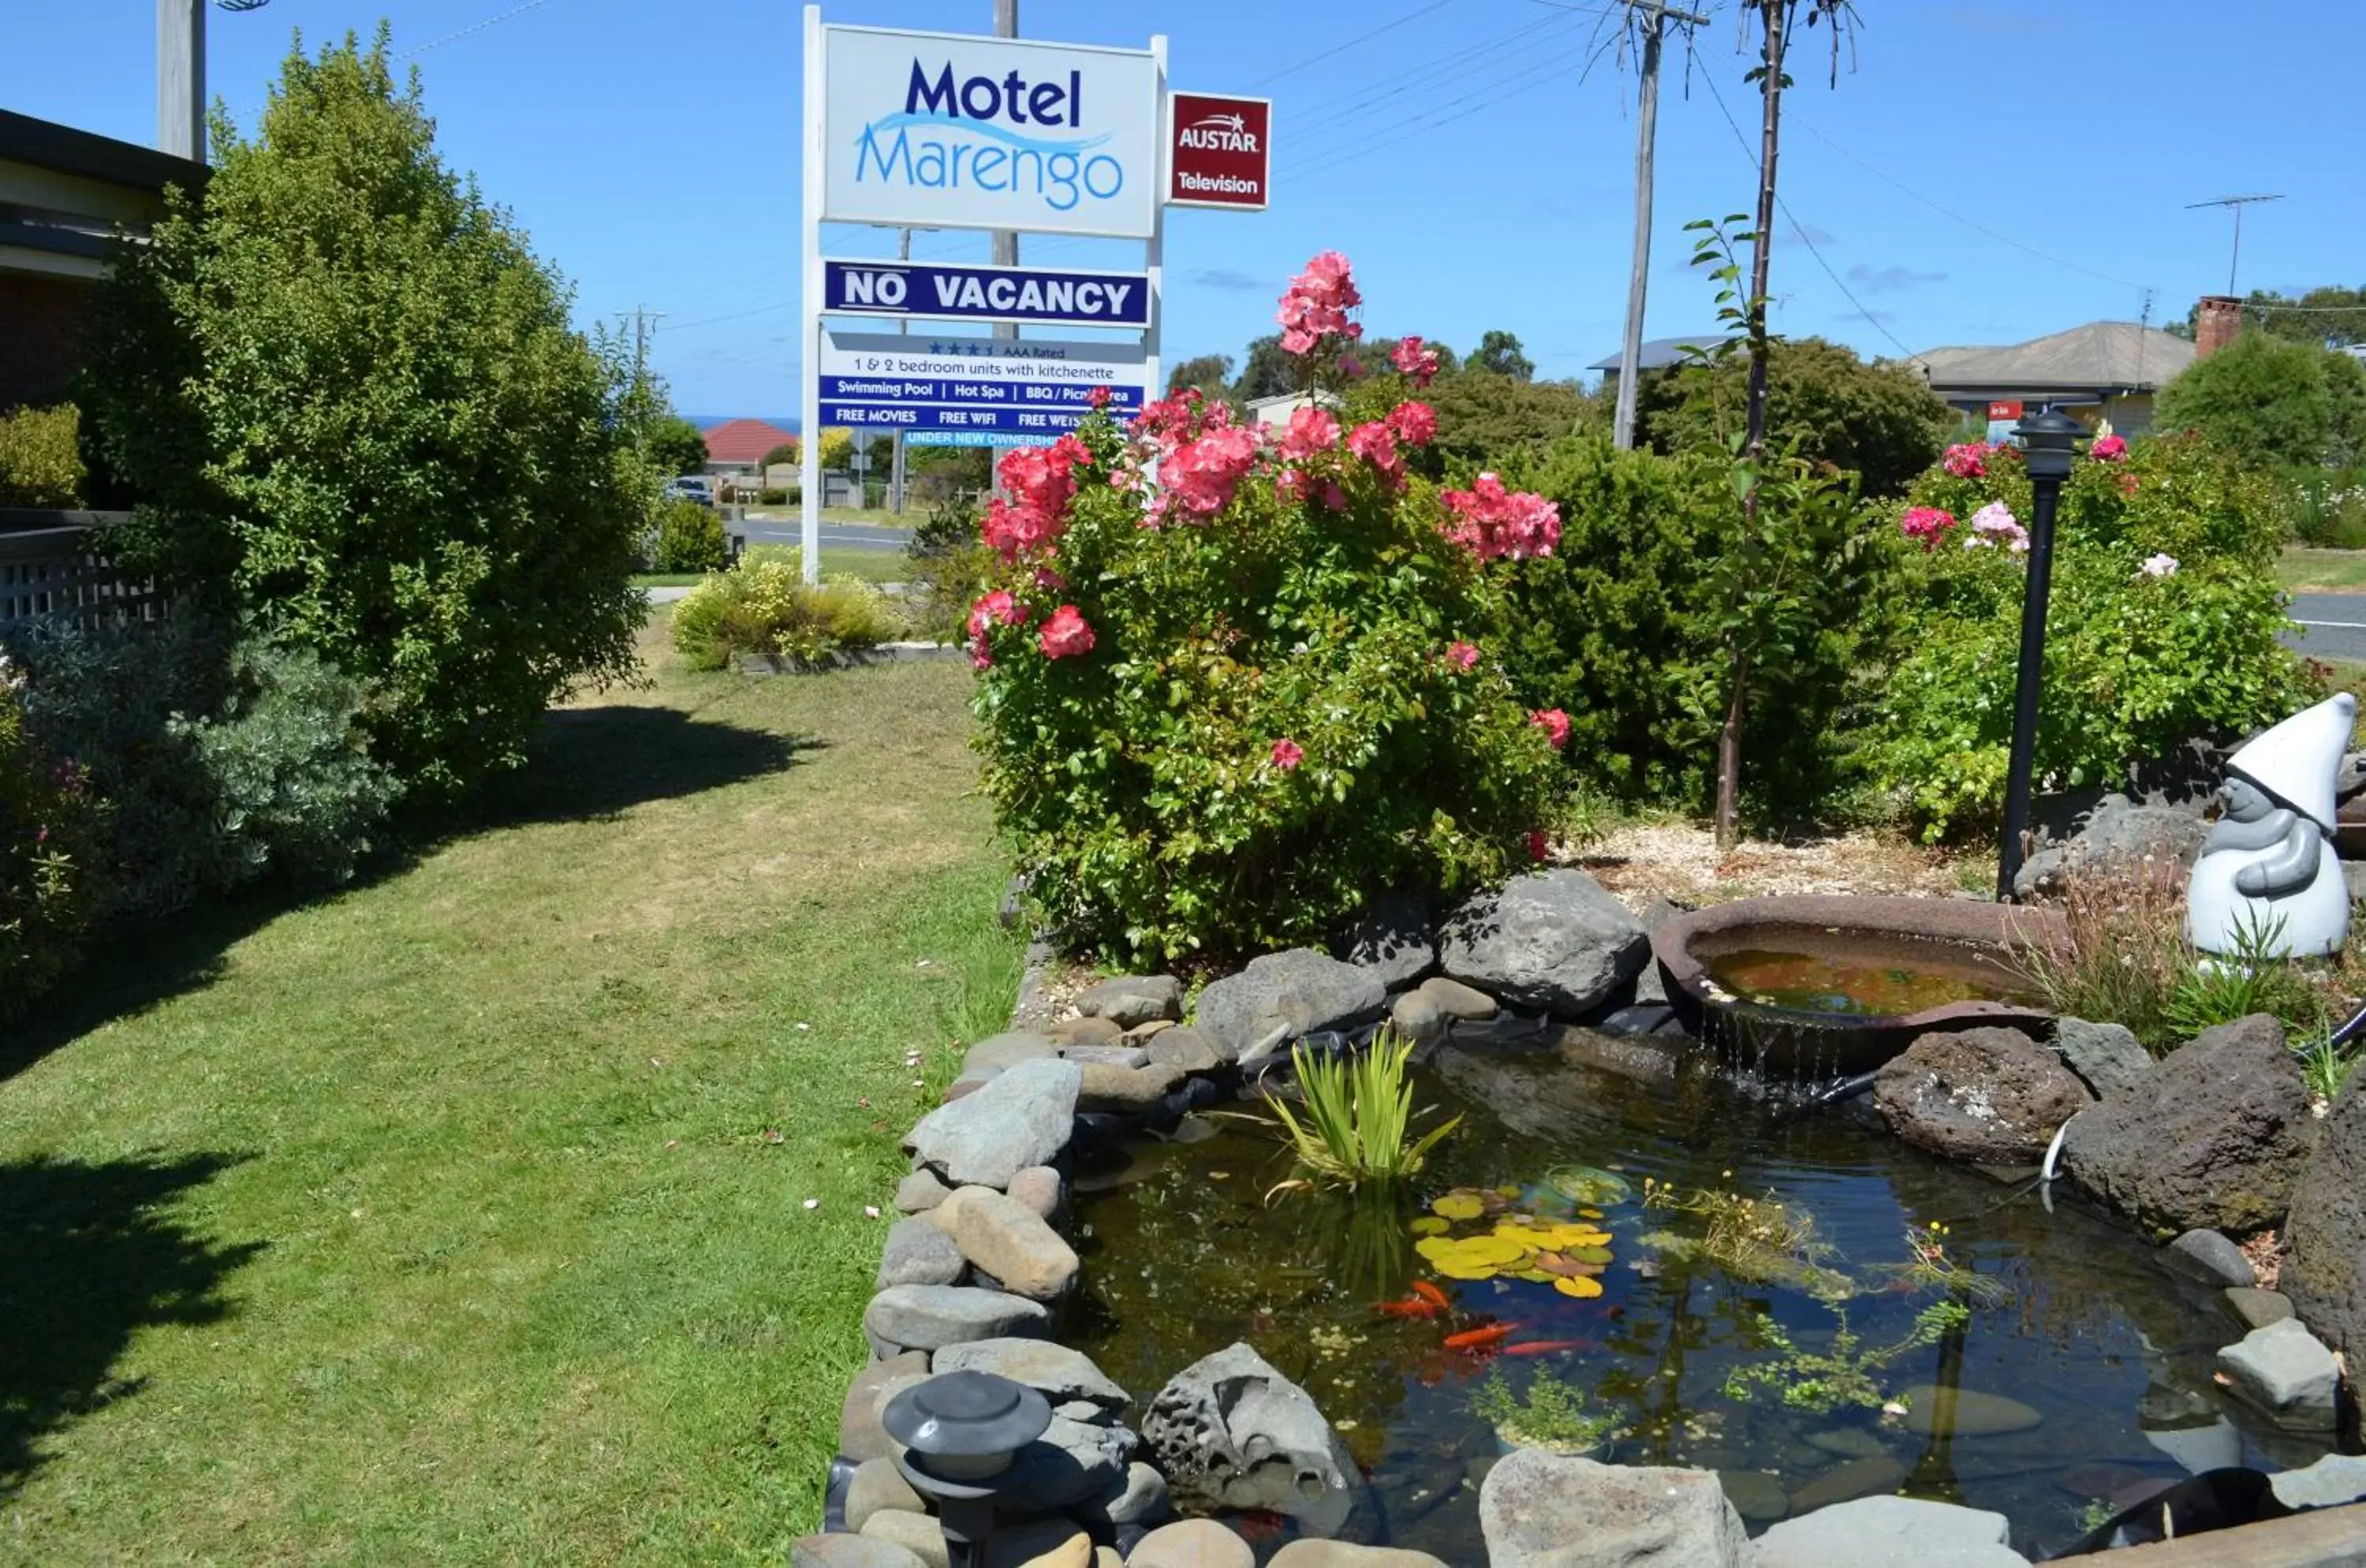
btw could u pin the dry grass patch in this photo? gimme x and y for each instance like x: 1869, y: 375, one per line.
x: 1681, y: 862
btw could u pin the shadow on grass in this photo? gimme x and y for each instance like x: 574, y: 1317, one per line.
x: 586, y: 764
x: 91, y: 1258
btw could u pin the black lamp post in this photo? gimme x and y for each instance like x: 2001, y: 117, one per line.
x: 2050, y: 441
x: 960, y: 1432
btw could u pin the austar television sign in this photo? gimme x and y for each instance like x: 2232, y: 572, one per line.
x: 933, y: 130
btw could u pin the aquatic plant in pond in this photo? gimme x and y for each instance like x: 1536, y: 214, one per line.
x: 1550, y: 1414
x: 1928, y: 1267
x: 1764, y: 1238
x: 1841, y: 1374
x: 1357, y: 1129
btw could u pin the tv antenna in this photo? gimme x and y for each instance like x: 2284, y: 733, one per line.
x: 2237, y: 203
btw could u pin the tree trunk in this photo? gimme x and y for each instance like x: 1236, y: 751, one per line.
x: 1729, y: 755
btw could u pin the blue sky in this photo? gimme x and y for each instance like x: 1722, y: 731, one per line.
x: 1457, y: 154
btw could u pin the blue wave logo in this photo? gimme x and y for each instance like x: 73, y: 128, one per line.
x: 903, y: 119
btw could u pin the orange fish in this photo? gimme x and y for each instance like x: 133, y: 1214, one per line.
x: 1411, y: 1307
x: 1544, y: 1347
x: 1481, y: 1338
x: 1431, y: 1294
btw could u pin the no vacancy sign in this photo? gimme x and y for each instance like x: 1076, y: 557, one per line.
x: 1220, y: 150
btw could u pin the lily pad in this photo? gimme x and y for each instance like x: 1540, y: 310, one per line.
x: 1580, y: 1285
x: 1466, y: 1268
x: 1588, y: 1184
x: 1587, y: 1254
x: 1430, y: 1224
x: 1458, y: 1206
x: 1437, y: 1249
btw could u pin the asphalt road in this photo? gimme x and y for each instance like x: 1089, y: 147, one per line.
x: 2333, y: 626
x: 834, y: 536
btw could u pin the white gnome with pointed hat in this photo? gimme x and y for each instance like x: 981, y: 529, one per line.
x: 2268, y: 866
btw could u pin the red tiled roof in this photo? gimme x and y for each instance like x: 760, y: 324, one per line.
x: 743, y: 440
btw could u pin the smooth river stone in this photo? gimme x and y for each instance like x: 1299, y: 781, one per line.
x: 1857, y: 1478
x: 928, y: 1317
x: 1976, y: 1414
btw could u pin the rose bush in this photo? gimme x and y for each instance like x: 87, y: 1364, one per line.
x: 2162, y: 626
x: 1230, y: 677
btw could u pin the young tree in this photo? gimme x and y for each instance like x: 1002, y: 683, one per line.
x: 674, y: 445
x: 1499, y: 353
x: 1822, y: 402
x: 351, y: 402
x: 786, y: 452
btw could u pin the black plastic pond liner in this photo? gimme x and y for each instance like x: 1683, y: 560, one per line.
x: 2215, y: 1500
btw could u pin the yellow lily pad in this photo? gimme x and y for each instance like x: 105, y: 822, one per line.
x: 1587, y: 1254
x: 1430, y: 1224
x: 1466, y: 1268
x: 1579, y: 1285
x: 1537, y: 1277
x: 1589, y: 1214
x: 1509, y: 1192
x: 1493, y: 1249
x: 1457, y: 1206
x: 1437, y: 1249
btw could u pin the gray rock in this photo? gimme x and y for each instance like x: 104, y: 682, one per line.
x: 2325, y: 1269
x: 918, y: 1253
x: 1189, y: 1049
x: 2108, y: 1058
x: 1456, y: 999
x: 927, y: 1317
x: 1042, y: 1189
x: 1129, y: 1000
x: 999, y: 1051
x: 2258, y: 1308
x: 1062, y: 1375
x: 1849, y: 1442
x: 2213, y: 1138
x: 1755, y: 1494
x: 841, y: 1551
x: 1542, y: 1510
x: 1849, y: 1479
x: 1008, y: 1240
x: 1966, y: 1412
x: 920, y: 1192
x: 1652, y: 985
x: 1984, y: 1095
x: 1127, y: 1092
x: 1071, y: 1462
x: 2117, y: 836
x: 1347, y: 1554
x: 2212, y: 1446
x: 1878, y: 1532
x: 860, y: 1436
x: 1139, y: 1497
x: 1022, y: 1118
x: 1084, y: 1032
x: 2283, y: 1371
x: 1395, y: 940
x: 1126, y: 1055
x: 2330, y: 1482
x: 879, y: 1485
x: 1191, y: 1543
x: 969, y: 1083
x: 1231, y: 1432
x: 1299, y: 991
x: 1552, y: 940
x: 1418, y: 1017
x: 2210, y: 1258
x: 918, y: 1534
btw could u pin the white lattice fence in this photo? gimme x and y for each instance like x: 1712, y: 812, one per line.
x: 57, y: 573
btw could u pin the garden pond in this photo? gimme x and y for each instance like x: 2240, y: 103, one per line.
x: 1660, y: 1270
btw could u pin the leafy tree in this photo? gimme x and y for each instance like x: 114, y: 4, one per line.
x: 1211, y: 373
x: 837, y: 447
x: 786, y: 452
x: 2272, y: 400
x: 358, y: 416
x: 1268, y: 372
x: 2322, y: 316
x: 1499, y: 353
x: 1483, y: 419
x: 1880, y: 421
x: 674, y: 445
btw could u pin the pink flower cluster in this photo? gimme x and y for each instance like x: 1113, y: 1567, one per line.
x: 1042, y: 480
x: 1966, y: 460
x: 1201, y: 476
x: 2109, y: 448
x: 1926, y: 524
x: 1311, y: 430
x: 1490, y: 521
x: 1415, y: 424
x: 1993, y: 522
x: 983, y: 613
x: 1554, y: 723
x: 1376, y: 444
x: 1066, y: 634
x: 1315, y: 305
x: 1417, y: 363
x: 1288, y: 753
x: 1461, y: 655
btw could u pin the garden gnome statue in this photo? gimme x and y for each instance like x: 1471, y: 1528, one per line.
x: 2268, y: 863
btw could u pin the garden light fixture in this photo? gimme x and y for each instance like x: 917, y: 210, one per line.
x: 959, y: 1433
x: 2050, y: 443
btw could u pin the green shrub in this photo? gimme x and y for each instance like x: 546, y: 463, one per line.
x: 40, y: 461
x: 778, y: 496
x: 2163, y: 626
x: 2270, y: 401
x: 2328, y: 506
x: 48, y: 834
x: 1224, y: 726
x: 1621, y: 628
x: 762, y: 606
x: 1880, y: 422
x: 690, y: 538
x: 362, y: 422
x: 947, y: 567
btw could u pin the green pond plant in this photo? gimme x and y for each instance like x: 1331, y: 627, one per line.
x: 1845, y: 1373
x: 1763, y: 1238
x: 1552, y: 1414
x: 1929, y: 1266
x: 1355, y: 1129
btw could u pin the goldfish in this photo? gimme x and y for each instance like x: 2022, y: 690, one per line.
x: 1544, y: 1346
x: 1431, y: 1294
x: 1481, y: 1338
x: 1411, y: 1307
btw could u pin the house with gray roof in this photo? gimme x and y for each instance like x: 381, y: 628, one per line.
x: 2102, y: 370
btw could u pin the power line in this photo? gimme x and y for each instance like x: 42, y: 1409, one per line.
x: 1709, y: 79
x: 472, y: 28
x: 1417, y: 11
x: 1544, y: 74
x: 1384, y: 90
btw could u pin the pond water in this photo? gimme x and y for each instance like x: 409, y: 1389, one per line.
x: 1857, y: 974
x: 2052, y: 1376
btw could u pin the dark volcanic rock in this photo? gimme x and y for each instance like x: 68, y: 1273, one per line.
x: 1989, y: 1096
x: 1554, y: 939
x: 2211, y: 1139
x: 1297, y: 992
x: 2325, y: 1274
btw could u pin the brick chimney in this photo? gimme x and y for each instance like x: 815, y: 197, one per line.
x: 2220, y: 317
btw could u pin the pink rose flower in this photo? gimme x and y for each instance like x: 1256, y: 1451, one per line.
x: 1461, y: 655
x: 992, y: 607
x: 1311, y: 430
x: 1995, y: 521
x: 1333, y: 498
x: 1098, y: 398
x: 1201, y: 475
x: 1926, y: 524
x: 1490, y: 521
x: 1554, y: 723
x: 2109, y: 448
x: 1416, y: 362
x: 1287, y: 754
x: 1376, y: 444
x: 1415, y: 424
x: 1316, y: 303
x: 1539, y: 845
x: 1966, y: 460
x: 1066, y: 634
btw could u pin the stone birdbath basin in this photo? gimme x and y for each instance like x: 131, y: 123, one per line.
x: 1816, y: 987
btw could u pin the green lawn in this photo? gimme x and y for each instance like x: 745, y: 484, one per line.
x: 459, y: 1218
x: 2304, y: 570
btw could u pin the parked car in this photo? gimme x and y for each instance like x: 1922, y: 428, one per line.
x: 689, y: 486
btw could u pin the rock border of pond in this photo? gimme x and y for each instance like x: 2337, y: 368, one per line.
x: 987, y: 1190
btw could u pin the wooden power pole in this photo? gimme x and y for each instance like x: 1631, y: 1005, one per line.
x: 1646, y: 121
